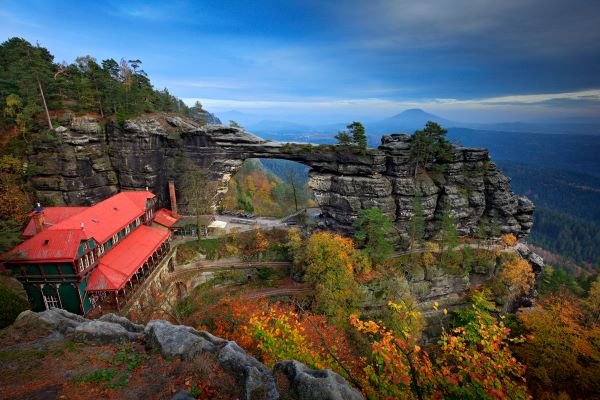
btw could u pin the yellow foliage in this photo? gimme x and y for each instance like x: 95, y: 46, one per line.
x: 427, y: 259
x: 517, y: 275
x: 508, y: 239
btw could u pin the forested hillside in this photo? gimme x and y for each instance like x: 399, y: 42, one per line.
x: 275, y: 190
x: 567, y: 220
x: 36, y: 90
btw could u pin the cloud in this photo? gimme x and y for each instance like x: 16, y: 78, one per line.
x: 488, y: 109
x: 506, y: 28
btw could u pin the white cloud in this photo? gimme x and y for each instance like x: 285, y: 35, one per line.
x: 506, y: 108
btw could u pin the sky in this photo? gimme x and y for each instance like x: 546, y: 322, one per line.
x: 466, y: 60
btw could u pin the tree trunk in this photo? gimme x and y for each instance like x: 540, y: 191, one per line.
x: 44, y: 102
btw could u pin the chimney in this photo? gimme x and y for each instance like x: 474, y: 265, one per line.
x: 38, y: 218
x: 173, y: 198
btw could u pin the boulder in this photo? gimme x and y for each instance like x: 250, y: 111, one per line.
x: 179, y: 340
x: 312, y: 384
x: 258, y: 382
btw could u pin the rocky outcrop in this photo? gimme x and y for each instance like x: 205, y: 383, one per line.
x: 310, y: 384
x: 85, y: 165
x: 256, y: 381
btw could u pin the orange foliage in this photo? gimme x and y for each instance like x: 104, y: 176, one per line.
x: 518, y: 276
x: 462, y: 368
x: 563, y: 351
x: 273, y: 332
x: 508, y: 240
x: 14, y: 202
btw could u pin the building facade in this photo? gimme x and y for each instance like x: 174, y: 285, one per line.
x: 78, y: 258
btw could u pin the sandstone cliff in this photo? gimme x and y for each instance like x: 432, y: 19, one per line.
x: 88, y: 162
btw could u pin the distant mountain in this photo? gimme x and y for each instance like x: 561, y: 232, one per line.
x: 410, y: 120
x: 407, y: 122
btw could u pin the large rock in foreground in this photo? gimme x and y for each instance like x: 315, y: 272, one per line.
x: 254, y: 379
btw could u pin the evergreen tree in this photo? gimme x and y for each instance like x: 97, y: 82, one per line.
x: 448, y: 236
x: 416, y: 227
x: 373, y: 231
x: 359, y: 137
x: 429, y: 146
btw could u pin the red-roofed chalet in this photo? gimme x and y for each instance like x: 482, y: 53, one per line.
x: 76, y: 256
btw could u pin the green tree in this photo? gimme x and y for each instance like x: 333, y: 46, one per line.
x: 374, y: 234
x: 448, y: 236
x: 359, y: 137
x: 329, y: 261
x: 416, y: 227
x: 354, y: 136
x: 429, y: 146
x: 344, y: 139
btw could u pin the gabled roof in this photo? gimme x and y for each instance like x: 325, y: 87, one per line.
x: 166, y: 218
x: 57, y: 245
x: 103, y: 220
x: 52, y: 216
x: 122, y: 261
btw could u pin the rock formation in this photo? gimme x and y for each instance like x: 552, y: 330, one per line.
x: 255, y: 380
x: 87, y: 163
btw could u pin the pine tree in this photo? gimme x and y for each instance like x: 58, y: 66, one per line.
x: 416, y: 227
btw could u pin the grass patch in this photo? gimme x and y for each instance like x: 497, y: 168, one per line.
x: 188, y: 250
x: 21, y: 355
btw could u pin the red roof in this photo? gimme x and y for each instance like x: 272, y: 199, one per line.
x: 52, y: 216
x: 165, y: 217
x: 58, y: 245
x: 103, y: 220
x: 119, y: 264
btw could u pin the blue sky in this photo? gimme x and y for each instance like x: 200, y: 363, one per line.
x: 469, y: 60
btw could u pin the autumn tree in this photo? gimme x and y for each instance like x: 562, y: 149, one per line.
x: 472, y: 362
x: 329, y: 261
x: 562, y: 352
x: 199, y: 191
x: 517, y: 276
x: 374, y: 233
x: 14, y: 202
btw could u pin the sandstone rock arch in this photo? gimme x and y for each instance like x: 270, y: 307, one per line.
x: 344, y: 181
x: 87, y: 166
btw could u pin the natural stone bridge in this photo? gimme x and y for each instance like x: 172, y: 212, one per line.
x: 91, y: 164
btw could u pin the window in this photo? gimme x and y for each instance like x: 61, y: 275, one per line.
x: 115, y: 238
x: 100, y: 249
x: 51, y: 301
x: 138, y: 221
x: 81, y: 266
x: 92, y: 258
x: 86, y: 261
x: 127, y: 230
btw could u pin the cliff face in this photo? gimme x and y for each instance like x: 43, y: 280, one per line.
x: 87, y: 163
